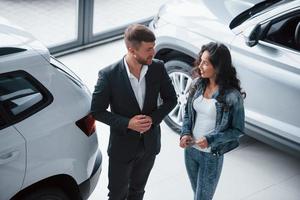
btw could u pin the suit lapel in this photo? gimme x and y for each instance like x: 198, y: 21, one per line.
x: 148, y: 87
x: 128, y: 84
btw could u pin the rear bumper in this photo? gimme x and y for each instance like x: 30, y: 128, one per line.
x: 87, y: 187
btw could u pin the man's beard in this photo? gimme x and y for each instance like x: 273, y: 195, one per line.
x: 141, y: 61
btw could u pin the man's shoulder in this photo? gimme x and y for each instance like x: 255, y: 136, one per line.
x: 157, y: 64
x: 110, y: 69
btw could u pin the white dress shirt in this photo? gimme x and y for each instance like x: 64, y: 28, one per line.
x: 138, y: 85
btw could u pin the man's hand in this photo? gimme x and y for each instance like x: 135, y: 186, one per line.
x: 140, y: 123
x: 186, y: 141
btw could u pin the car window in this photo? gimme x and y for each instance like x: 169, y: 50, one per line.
x: 285, y: 32
x: 3, y: 117
x: 259, y: 8
x: 21, y: 95
x: 2, y: 122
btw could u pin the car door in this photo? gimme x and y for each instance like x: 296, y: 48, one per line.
x: 21, y: 96
x: 270, y: 75
x: 12, y: 158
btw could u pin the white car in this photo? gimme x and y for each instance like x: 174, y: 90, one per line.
x: 48, y: 142
x: 264, y: 41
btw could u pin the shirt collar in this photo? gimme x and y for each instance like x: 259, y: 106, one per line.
x: 130, y: 75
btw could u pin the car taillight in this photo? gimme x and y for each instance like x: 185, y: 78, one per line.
x: 87, y: 125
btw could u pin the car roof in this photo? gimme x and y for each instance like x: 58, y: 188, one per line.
x: 15, y: 40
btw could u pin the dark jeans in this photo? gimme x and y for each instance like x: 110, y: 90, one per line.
x: 127, y: 180
x: 204, y: 170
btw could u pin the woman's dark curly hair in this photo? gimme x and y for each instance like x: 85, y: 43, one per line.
x: 220, y: 58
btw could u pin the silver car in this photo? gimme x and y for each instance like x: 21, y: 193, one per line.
x: 264, y: 40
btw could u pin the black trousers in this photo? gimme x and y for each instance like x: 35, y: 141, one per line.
x: 127, y: 180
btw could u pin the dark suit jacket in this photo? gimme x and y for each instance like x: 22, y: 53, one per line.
x: 113, y: 88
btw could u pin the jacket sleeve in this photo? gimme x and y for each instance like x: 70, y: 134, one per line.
x: 168, y: 96
x: 101, y: 101
x: 236, y: 128
x: 186, y: 128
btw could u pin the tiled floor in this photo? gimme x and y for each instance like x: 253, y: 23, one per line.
x: 255, y: 171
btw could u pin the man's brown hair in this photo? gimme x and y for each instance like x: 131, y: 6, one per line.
x: 135, y: 34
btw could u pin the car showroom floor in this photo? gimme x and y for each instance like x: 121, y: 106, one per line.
x: 255, y: 171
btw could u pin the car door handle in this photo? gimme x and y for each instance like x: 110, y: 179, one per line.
x: 6, y: 158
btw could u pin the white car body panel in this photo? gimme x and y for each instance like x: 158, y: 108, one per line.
x: 12, y: 162
x: 48, y: 142
x: 270, y: 74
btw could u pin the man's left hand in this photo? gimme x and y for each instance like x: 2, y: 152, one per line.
x: 149, y: 121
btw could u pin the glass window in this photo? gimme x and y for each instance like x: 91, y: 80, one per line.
x: 112, y: 14
x: 19, y: 95
x: 285, y: 32
x: 2, y: 122
x: 52, y: 22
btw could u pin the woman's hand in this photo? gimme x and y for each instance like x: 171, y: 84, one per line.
x: 202, y: 143
x: 185, y: 141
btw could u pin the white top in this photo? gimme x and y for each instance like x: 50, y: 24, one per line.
x: 205, y: 118
x: 138, y: 85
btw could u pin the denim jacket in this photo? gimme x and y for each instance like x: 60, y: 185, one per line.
x: 230, y: 119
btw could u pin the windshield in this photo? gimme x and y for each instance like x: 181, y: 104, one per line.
x: 255, y: 10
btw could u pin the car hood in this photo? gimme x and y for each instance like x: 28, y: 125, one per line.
x: 193, y: 14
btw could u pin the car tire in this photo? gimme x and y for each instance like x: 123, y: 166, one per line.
x: 180, y: 74
x: 52, y: 193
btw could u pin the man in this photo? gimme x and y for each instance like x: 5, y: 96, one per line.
x: 131, y: 87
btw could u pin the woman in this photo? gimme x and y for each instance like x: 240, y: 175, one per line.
x: 213, y: 120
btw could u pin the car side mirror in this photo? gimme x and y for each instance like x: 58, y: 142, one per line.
x: 252, y: 35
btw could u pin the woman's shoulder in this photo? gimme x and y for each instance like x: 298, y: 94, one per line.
x: 196, y: 84
x: 198, y: 81
x: 233, y: 96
